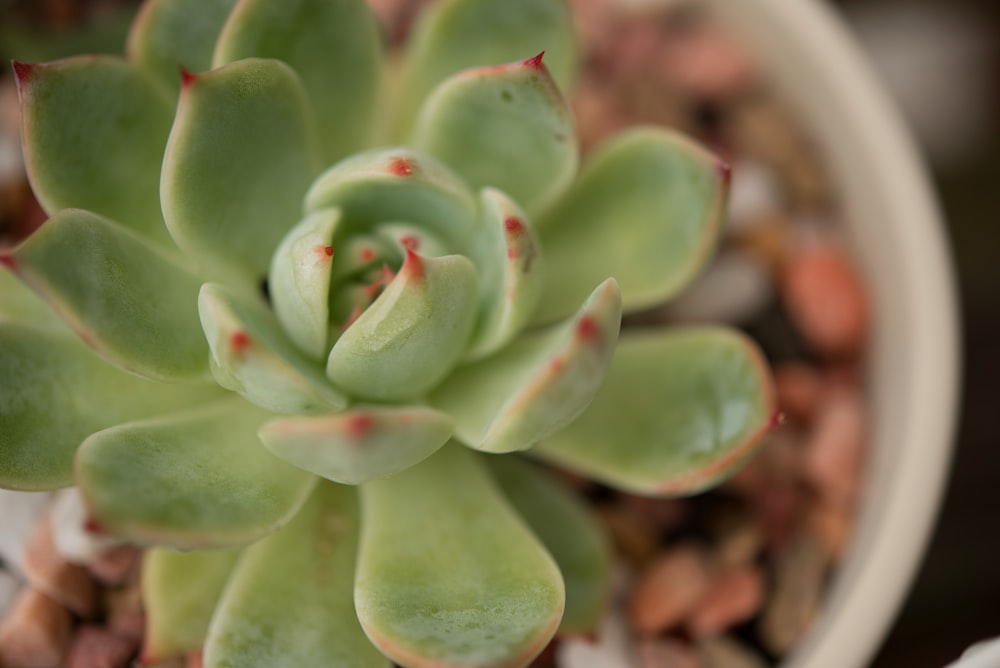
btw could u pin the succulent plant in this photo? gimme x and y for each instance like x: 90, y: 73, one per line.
x: 289, y: 362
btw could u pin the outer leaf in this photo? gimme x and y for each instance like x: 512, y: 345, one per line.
x: 646, y: 209
x: 290, y: 603
x: 397, y: 185
x: 168, y: 35
x: 680, y: 411
x: 458, y: 34
x: 511, y: 270
x: 179, y: 593
x: 539, y: 383
x: 447, y: 574
x: 364, y: 443
x: 126, y: 298
x: 55, y: 392
x: 335, y: 48
x: 239, y: 161
x: 299, y: 281
x: 19, y: 304
x: 196, y: 480
x: 412, y: 335
x: 503, y: 126
x: 570, y: 532
x: 77, y: 112
x: 252, y: 356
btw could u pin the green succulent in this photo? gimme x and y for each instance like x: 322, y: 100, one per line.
x: 288, y: 361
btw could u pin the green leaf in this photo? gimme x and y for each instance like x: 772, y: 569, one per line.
x: 680, y: 410
x: 179, y: 593
x: 55, y: 392
x: 397, y: 185
x: 168, y: 35
x: 19, y: 304
x: 570, y: 532
x: 252, y: 356
x: 511, y: 273
x: 539, y: 383
x: 412, y: 335
x: 646, y: 209
x: 505, y: 126
x: 129, y: 300
x: 299, y: 281
x: 197, y: 480
x: 454, y: 35
x: 448, y: 575
x: 290, y: 600
x: 364, y: 443
x: 335, y: 48
x: 79, y: 111
x: 240, y: 158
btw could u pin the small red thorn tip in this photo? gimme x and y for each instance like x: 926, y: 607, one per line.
x: 22, y: 72
x: 239, y: 342
x: 413, y: 265
x: 536, y: 62
x: 401, y: 167
x: 410, y: 242
x: 725, y: 171
x: 588, y: 329
x: 513, y: 225
x: 358, y: 425
x: 187, y: 78
x: 328, y: 250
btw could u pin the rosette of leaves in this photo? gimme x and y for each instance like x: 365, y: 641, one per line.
x: 294, y: 300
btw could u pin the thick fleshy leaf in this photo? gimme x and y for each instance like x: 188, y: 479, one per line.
x: 455, y: 35
x: 504, y: 126
x: 335, y: 48
x: 448, y: 575
x: 290, y: 600
x: 128, y: 299
x: 646, y: 209
x: 179, y: 593
x: 75, y: 114
x: 197, y: 480
x: 539, y: 383
x: 55, y: 392
x: 299, y: 281
x: 240, y: 158
x: 252, y: 356
x: 170, y: 35
x: 570, y: 532
x: 511, y: 273
x: 397, y: 185
x: 680, y: 410
x: 18, y: 303
x: 364, y: 443
x: 412, y: 335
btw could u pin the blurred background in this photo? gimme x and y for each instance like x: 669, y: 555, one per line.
x: 942, y: 62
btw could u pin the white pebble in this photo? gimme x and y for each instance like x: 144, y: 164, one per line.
x: 755, y: 192
x: 20, y: 511
x: 612, y: 649
x: 73, y: 541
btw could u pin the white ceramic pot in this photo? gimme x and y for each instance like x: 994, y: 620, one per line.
x: 818, y: 70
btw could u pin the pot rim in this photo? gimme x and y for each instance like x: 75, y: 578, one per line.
x: 898, y: 235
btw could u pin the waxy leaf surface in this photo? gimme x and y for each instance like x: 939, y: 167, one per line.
x: 240, y: 158
x: 179, y: 593
x: 680, y: 410
x: 334, y: 47
x: 539, y: 383
x: 55, y: 392
x: 361, y: 444
x: 128, y: 299
x: 570, y: 532
x: 75, y: 114
x: 646, y: 209
x: 197, y: 480
x: 290, y: 602
x: 448, y: 575
x: 506, y: 127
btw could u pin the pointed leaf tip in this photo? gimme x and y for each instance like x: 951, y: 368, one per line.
x: 535, y: 62
x: 22, y: 72
x: 187, y: 77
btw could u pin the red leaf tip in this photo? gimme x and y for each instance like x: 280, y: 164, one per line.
x: 239, y: 342
x: 588, y: 329
x: 401, y: 167
x: 9, y: 261
x: 22, y: 72
x: 536, y: 62
x: 187, y: 78
x: 358, y: 425
x: 413, y: 265
x: 513, y: 225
